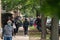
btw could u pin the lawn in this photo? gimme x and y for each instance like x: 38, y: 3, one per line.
x: 35, y: 34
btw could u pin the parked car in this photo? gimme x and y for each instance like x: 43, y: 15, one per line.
x: 48, y: 24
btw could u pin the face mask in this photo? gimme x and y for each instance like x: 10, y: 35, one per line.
x: 9, y: 23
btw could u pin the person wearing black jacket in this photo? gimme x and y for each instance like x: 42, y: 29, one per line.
x: 38, y: 23
x: 25, y: 26
x: 17, y: 23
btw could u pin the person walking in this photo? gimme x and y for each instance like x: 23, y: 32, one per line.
x: 25, y: 26
x: 14, y: 27
x: 17, y: 23
x: 38, y: 23
x: 8, y: 30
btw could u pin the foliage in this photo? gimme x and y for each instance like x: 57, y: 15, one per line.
x: 11, y: 4
x: 25, y: 6
x: 51, y: 7
x: 29, y: 7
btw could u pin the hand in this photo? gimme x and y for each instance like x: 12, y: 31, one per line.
x: 1, y: 37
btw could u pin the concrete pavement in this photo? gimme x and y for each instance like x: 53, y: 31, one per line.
x: 20, y: 38
x: 20, y: 35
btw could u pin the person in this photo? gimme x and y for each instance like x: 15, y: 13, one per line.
x: 31, y: 21
x: 38, y: 23
x: 25, y: 26
x: 14, y: 26
x: 4, y: 21
x: 17, y: 23
x: 8, y: 30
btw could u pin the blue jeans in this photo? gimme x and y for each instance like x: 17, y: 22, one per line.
x: 7, y: 38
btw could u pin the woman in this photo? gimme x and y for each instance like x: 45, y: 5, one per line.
x: 8, y: 30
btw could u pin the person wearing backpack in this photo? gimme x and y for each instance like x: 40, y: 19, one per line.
x: 17, y: 23
x: 25, y: 26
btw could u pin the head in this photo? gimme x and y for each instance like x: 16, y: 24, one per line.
x: 38, y: 16
x: 25, y: 19
x: 9, y: 22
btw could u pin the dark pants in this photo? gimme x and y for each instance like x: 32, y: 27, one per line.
x: 14, y: 31
x: 39, y: 28
x: 17, y: 28
x: 25, y: 30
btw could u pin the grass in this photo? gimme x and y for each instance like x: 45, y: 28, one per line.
x: 32, y: 27
x: 35, y: 34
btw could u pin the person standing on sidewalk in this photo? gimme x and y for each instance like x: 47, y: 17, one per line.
x: 25, y: 26
x: 8, y: 30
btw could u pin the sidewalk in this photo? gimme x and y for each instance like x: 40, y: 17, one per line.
x: 20, y: 38
x: 20, y: 35
x: 21, y: 28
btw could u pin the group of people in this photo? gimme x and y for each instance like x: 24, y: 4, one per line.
x: 12, y: 25
x: 18, y: 23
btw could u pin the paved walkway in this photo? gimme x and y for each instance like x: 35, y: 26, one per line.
x: 20, y: 38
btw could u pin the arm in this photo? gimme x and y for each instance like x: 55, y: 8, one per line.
x: 36, y: 21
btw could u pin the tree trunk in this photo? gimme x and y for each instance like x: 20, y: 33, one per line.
x: 43, y: 34
x: 54, y: 29
x: 37, y: 13
x: 0, y: 13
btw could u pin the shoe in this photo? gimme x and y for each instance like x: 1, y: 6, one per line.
x: 26, y: 35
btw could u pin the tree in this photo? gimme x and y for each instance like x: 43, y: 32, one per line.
x: 10, y: 5
x: 51, y: 7
x: 21, y: 5
x: 0, y: 13
x: 43, y: 22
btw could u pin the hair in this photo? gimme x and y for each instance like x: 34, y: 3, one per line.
x: 25, y: 19
x: 5, y: 17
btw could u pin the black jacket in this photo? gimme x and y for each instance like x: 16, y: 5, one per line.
x: 38, y: 22
x: 25, y: 24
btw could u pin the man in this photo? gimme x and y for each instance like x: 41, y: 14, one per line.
x: 25, y: 26
x: 17, y: 23
x: 38, y: 23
